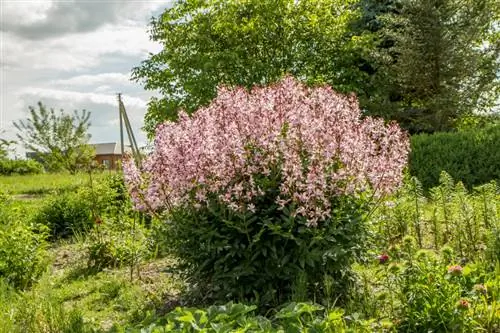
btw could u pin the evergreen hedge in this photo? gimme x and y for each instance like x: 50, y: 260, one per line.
x: 471, y: 156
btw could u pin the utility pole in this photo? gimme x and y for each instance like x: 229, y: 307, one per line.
x: 125, y: 121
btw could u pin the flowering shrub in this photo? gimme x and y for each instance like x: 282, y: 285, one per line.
x: 313, y: 137
x: 266, y: 189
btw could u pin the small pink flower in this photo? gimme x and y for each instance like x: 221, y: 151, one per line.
x: 463, y: 304
x: 383, y: 258
x: 314, y: 138
x: 455, y: 270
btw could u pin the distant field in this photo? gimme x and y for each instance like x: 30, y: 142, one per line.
x: 45, y: 183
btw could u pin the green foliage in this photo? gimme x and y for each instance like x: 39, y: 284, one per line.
x: 267, y: 257
x: 468, y: 222
x: 421, y: 291
x: 73, y: 212
x: 59, y: 141
x: 423, y: 63
x: 37, y: 311
x: 116, y: 242
x: 214, y: 42
x: 65, y: 214
x: 22, y: 247
x: 437, y: 60
x: 476, y: 121
x: 5, y: 147
x: 472, y: 157
x: 20, y: 167
x: 294, y: 317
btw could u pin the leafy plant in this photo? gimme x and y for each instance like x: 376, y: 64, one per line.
x: 256, y: 195
x: 116, y: 242
x: 234, y: 317
x: 23, y: 256
x: 20, y: 167
x: 471, y: 157
x: 75, y: 212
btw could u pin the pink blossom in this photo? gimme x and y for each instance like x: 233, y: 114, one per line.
x: 383, y: 258
x: 314, y: 137
x: 455, y: 270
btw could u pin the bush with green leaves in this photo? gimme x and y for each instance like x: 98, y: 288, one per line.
x: 20, y: 167
x: 268, y: 257
x: 118, y: 241
x: 470, y: 156
x: 68, y: 213
x: 265, y: 190
x: 23, y: 256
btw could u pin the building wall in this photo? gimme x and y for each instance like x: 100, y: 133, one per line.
x: 111, y: 161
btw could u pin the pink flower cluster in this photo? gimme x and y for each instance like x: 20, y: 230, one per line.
x: 314, y: 137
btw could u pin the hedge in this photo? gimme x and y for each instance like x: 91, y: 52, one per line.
x: 471, y: 156
x: 20, y: 167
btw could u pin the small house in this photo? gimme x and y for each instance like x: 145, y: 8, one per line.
x: 109, y: 154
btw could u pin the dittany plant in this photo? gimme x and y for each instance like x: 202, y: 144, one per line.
x: 262, y: 183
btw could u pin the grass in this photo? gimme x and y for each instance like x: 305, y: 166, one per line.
x: 69, y: 298
x: 26, y: 186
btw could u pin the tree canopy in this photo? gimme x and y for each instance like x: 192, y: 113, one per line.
x: 4, y: 146
x: 212, y: 42
x: 58, y: 139
x: 445, y: 60
x: 422, y: 62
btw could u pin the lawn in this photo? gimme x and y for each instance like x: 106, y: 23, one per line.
x: 45, y: 183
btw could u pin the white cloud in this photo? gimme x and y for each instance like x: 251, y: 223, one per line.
x: 88, y: 79
x: 74, y: 54
x: 77, y: 52
x: 25, y: 13
x: 78, y: 97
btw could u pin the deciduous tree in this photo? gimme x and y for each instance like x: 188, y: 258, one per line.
x: 59, y: 140
x: 212, y: 42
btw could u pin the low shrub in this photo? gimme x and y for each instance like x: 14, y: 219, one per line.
x: 116, y: 242
x: 23, y: 256
x: 231, y: 317
x: 70, y: 213
x: 470, y: 156
x: 65, y: 214
x: 20, y: 167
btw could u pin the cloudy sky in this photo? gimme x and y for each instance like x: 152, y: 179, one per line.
x: 75, y: 54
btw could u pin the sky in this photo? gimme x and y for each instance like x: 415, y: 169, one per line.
x: 73, y: 55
